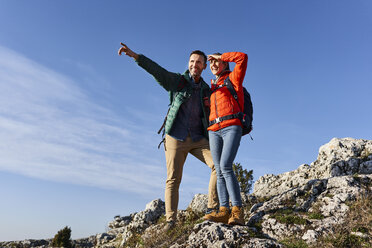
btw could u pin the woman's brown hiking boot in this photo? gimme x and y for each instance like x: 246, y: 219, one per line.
x: 237, y: 216
x: 220, y: 216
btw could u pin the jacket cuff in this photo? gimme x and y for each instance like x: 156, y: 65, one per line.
x: 140, y: 59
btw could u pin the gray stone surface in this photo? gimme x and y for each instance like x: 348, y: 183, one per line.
x: 339, y: 157
x: 199, y: 203
x: 306, y: 203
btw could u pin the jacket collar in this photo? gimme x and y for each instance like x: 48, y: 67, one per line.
x: 215, y: 81
x: 188, y: 77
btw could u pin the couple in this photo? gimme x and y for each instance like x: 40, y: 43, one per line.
x: 193, y: 117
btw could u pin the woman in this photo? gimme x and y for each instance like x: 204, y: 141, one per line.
x: 225, y: 132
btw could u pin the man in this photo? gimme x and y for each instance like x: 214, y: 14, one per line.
x: 186, y: 124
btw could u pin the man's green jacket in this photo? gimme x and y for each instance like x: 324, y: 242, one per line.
x: 179, y: 88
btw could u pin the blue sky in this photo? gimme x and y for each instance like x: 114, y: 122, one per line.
x: 78, y: 123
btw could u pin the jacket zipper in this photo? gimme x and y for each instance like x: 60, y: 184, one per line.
x: 215, y: 101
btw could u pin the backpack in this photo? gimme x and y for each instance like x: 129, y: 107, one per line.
x: 246, y: 117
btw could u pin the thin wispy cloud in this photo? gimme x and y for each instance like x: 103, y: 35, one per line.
x: 50, y: 129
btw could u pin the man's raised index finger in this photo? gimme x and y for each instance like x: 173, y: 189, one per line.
x: 121, y: 43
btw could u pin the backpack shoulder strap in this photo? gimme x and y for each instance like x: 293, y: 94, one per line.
x: 227, y: 83
x: 230, y: 87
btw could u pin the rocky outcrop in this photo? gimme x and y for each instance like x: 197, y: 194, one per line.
x: 27, y: 243
x: 209, y: 234
x: 339, y: 157
x: 311, y: 210
x: 199, y: 203
x: 305, y: 204
x: 123, y: 228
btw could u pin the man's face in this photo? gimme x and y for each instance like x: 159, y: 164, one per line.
x: 196, y: 65
x: 216, y: 66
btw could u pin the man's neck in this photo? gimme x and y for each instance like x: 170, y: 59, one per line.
x: 196, y: 79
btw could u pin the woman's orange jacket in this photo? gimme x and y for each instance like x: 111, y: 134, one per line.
x: 222, y: 102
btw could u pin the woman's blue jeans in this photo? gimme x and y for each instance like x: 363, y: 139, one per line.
x: 224, y: 145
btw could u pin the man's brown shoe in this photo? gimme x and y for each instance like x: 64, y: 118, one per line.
x: 169, y: 226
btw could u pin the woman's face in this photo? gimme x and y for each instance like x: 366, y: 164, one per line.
x: 216, y: 66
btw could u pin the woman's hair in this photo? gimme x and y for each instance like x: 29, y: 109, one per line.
x: 227, y: 63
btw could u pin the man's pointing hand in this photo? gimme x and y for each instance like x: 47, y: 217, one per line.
x: 125, y: 49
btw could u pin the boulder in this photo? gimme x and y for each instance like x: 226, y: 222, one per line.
x: 339, y: 157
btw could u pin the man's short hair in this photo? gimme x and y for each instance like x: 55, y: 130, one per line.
x: 201, y: 54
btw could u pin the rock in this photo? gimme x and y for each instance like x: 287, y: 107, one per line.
x: 339, y: 157
x: 310, y: 236
x: 84, y: 242
x: 366, y: 167
x: 28, y: 243
x: 261, y: 243
x: 199, y: 203
x: 209, y: 234
x: 120, y: 221
x: 327, y: 197
x: 103, y: 238
x: 343, y: 149
x: 307, y: 203
x: 143, y: 219
x: 359, y: 234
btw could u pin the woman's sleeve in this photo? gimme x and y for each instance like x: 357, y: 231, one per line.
x: 241, y: 61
